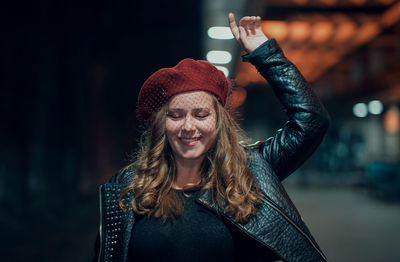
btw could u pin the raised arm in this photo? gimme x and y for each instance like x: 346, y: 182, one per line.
x: 308, y: 121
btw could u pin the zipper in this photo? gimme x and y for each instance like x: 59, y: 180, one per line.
x: 101, y: 224
x: 204, y: 203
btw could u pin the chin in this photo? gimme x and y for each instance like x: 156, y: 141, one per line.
x: 190, y: 155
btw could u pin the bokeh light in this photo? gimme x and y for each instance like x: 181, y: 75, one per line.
x: 220, y: 32
x: 219, y: 57
x: 360, y: 110
x: 375, y: 107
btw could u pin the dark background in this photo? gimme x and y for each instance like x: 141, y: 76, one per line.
x: 70, y: 75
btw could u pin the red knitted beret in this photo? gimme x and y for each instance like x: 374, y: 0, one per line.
x: 187, y: 75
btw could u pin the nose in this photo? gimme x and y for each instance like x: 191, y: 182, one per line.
x: 188, y: 124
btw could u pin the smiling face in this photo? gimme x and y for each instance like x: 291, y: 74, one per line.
x: 190, y: 124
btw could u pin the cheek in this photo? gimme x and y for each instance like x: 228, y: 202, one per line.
x: 209, y: 126
x: 171, y: 128
x: 170, y: 138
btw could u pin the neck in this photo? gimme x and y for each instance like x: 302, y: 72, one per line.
x: 188, y: 172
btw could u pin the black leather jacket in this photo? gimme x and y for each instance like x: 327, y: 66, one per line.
x: 278, y: 225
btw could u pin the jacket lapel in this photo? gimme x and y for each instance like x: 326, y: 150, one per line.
x: 278, y: 225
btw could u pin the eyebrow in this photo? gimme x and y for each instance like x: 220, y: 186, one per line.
x: 194, y: 109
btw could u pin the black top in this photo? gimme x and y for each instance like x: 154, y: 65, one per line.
x: 196, y: 235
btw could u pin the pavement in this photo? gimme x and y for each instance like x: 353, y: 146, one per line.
x: 349, y: 224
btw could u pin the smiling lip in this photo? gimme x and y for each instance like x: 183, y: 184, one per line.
x: 189, y: 141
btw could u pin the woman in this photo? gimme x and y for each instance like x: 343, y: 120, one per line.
x: 196, y: 192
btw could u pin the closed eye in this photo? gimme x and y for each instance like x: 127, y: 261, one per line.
x: 174, y: 116
x: 201, y: 116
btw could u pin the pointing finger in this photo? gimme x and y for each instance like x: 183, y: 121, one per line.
x: 233, y: 26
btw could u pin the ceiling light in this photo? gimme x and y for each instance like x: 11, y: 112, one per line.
x: 220, y: 32
x: 223, y: 69
x: 219, y: 57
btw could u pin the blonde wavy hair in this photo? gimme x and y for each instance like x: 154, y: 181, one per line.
x: 223, y: 172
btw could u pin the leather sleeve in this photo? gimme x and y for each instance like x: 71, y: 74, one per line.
x: 308, y: 121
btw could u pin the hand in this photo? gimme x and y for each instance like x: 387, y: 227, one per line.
x: 249, y: 34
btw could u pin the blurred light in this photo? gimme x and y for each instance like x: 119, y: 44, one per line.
x: 391, y: 15
x: 358, y: 2
x: 276, y: 29
x: 219, y: 57
x: 299, y: 31
x: 375, y: 107
x: 322, y: 31
x: 329, y: 2
x: 391, y: 121
x: 300, y: 2
x: 386, y: 2
x: 237, y: 97
x: 360, y: 110
x: 223, y: 69
x: 366, y: 32
x: 345, y: 31
x: 220, y: 32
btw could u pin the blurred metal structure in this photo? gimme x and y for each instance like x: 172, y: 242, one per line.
x: 320, y: 36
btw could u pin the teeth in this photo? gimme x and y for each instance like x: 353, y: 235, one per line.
x: 186, y: 140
